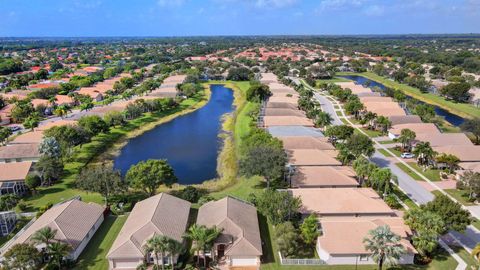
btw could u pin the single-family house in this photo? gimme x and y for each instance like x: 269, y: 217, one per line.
x: 311, y: 157
x: 323, y: 177
x: 74, y: 221
x: 342, y: 202
x: 19, y: 153
x: 419, y: 128
x: 284, y: 112
x: 12, y: 177
x: 32, y: 137
x: 341, y: 240
x: 162, y: 214
x: 269, y: 121
x: 239, y: 243
x: 443, y: 139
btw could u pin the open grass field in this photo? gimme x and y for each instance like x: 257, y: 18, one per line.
x: 461, y: 109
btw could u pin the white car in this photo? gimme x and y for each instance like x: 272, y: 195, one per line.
x: 407, y: 155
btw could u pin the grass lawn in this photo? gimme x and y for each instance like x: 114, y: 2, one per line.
x: 336, y: 107
x: 472, y: 263
x: 460, y: 195
x: 476, y: 224
x: 332, y: 80
x: 384, y: 152
x: 462, y: 109
x: 404, y: 198
x: 386, y: 142
x: 431, y: 174
x: 344, y: 121
x: 409, y: 172
x: 64, y: 189
x: 395, y: 151
x: 370, y: 133
x: 339, y: 113
x: 93, y: 256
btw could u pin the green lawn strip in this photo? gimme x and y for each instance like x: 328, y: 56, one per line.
x: 344, y: 121
x: 411, y: 173
x: 370, y: 133
x: 404, y: 198
x: 332, y: 80
x: 395, y: 151
x: 336, y: 107
x: 460, y: 195
x: 64, y: 189
x: 94, y: 255
x: 476, y: 224
x: 431, y: 174
x: 386, y: 142
x: 339, y: 113
x: 384, y: 152
x: 471, y: 262
x: 461, y: 109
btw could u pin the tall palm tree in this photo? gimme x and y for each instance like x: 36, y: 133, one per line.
x: 384, y: 123
x: 382, y: 180
x: 369, y: 117
x: 406, y: 138
x: 174, y: 248
x: 384, y: 245
x: 202, y: 238
x: 323, y: 119
x: 57, y: 251
x: 44, y: 236
x: 424, y: 153
x: 158, y: 244
x: 449, y: 159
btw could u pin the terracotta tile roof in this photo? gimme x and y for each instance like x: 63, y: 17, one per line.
x: 283, y: 112
x: 342, y: 201
x: 466, y: 153
x: 418, y: 128
x: 306, y: 142
x: 311, y: 157
x: 39, y: 102
x: 239, y: 222
x: 13, y: 151
x: 57, y: 123
x: 15, y: 171
x: 282, y: 105
x: 287, y: 121
x: 345, y: 236
x: 283, y: 99
x: 404, y: 119
x: 444, y: 139
x: 323, y: 176
x: 28, y: 137
x: 63, y: 99
x: 72, y: 220
x: 162, y: 214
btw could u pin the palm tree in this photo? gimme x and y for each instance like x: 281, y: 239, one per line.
x: 158, y: 244
x: 476, y: 252
x: 57, y: 251
x: 323, y: 119
x: 381, y: 180
x: 384, y: 245
x: 174, y: 248
x: 363, y: 169
x: 450, y: 160
x: 384, y: 123
x: 202, y: 238
x: 424, y: 153
x: 44, y: 236
x: 406, y: 138
x: 369, y: 117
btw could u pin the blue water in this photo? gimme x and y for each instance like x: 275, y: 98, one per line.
x: 190, y: 143
x: 448, y: 116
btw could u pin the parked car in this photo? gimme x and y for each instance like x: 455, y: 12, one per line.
x: 15, y: 128
x: 407, y: 155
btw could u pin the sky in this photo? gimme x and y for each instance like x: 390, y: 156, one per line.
x: 82, y: 18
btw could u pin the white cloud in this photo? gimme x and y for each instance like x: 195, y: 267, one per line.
x: 274, y: 3
x: 338, y: 4
x: 171, y: 3
x: 374, y: 10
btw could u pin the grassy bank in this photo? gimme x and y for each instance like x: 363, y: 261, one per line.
x: 105, y: 145
x: 461, y: 109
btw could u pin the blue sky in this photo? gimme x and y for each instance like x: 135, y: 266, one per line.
x: 235, y: 17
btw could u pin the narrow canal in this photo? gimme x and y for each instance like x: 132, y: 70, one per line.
x: 190, y: 143
x: 453, y: 119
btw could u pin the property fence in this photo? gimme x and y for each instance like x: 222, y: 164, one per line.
x: 287, y: 261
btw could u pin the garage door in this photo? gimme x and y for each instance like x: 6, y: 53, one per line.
x: 244, y: 261
x: 126, y: 264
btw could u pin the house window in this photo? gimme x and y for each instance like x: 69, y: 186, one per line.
x: 363, y: 258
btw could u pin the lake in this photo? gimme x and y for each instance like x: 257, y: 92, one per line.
x: 190, y: 143
x: 453, y: 119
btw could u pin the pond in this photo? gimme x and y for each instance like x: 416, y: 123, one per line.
x: 453, y: 119
x: 190, y: 143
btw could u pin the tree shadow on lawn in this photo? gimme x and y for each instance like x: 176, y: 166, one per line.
x: 268, y: 255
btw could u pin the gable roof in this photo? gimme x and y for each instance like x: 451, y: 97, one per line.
x: 321, y: 176
x: 444, y: 139
x: 72, y: 220
x: 239, y: 222
x: 287, y: 121
x: 306, y: 142
x: 16, y: 171
x: 341, y: 201
x: 162, y: 214
x: 466, y: 153
x: 19, y: 151
x: 311, y: 157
